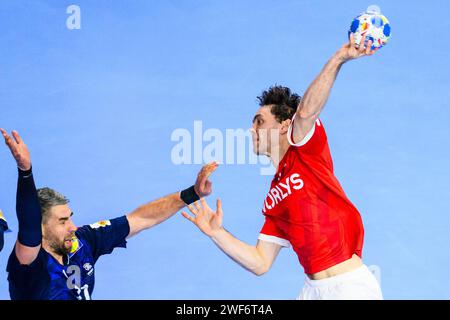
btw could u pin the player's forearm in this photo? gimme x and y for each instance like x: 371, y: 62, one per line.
x: 157, y: 211
x: 318, y: 92
x: 245, y: 255
x: 28, y: 210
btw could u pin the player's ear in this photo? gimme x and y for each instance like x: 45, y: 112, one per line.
x: 285, y: 126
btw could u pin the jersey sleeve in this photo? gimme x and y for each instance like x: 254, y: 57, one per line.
x: 270, y: 232
x: 104, y: 236
x: 314, y: 141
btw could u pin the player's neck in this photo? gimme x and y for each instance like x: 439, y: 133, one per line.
x: 278, y: 153
x: 46, y: 246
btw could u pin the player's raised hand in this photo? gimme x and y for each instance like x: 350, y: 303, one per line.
x: 18, y: 149
x: 203, y: 186
x: 351, y: 51
x: 208, y: 221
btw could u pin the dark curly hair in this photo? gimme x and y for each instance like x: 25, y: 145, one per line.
x: 284, y: 102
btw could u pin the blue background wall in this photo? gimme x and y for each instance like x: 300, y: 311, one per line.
x: 97, y: 107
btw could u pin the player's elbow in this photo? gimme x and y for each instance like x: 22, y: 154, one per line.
x: 261, y: 269
x: 259, y: 273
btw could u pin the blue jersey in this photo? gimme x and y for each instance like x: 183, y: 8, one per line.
x: 46, y: 279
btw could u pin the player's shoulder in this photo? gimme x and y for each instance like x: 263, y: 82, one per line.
x: 92, y: 232
x: 313, y: 141
x: 40, y: 263
x: 93, y: 226
x: 102, y: 229
x: 100, y: 224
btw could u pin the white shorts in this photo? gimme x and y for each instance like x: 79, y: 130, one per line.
x: 359, y: 284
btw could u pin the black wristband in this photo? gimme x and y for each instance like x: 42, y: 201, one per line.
x: 189, y: 195
x: 25, y: 174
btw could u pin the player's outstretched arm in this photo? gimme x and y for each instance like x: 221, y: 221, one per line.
x: 319, y: 90
x: 155, y: 212
x: 27, y: 206
x: 256, y: 259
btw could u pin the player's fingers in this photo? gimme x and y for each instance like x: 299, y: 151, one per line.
x: 208, y: 174
x: 205, y: 168
x: 212, y: 167
x: 208, y: 185
x: 201, y: 178
x: 17, y: 137
x: 5, y: 135
x: 352, y: 40
x: 197, y: 205
x: 204, y: 204
x: 203, y: 183
x: 206, y: 171
x: 188, y: 217
x: 369, y: 47
x: 219, y: 207
x: 373, y: 51
x: 362, y: 44
x: 192, y: 210
x: 9, y: 142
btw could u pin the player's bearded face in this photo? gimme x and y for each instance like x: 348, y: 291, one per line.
x: 59, y: 230
x: 59, y: 245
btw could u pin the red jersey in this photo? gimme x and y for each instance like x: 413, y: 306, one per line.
x: 307, y: 208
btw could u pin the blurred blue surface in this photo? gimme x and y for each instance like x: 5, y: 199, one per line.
x: 97, y: 108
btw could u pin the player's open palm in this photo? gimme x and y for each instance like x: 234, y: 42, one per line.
x: 204, y: 217
x: 18, y: 149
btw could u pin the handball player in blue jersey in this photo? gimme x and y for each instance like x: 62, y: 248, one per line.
x: 52, y: 258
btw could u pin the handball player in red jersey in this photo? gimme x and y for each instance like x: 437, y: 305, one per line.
x: 306, y: 207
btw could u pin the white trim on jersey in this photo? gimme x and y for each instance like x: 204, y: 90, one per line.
x: 282, y: 242
x: 305, y: 139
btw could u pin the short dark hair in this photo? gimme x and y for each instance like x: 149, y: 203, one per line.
x: 49, y: 198
x: 284, y: 102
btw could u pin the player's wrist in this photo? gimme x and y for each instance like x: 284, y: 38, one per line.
x: 340, y: 57
x: 25, y: 171
x: 217, y: 234
x: 189, y: 195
